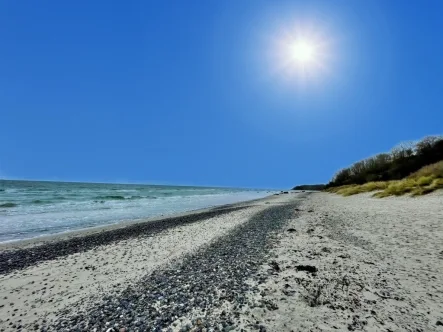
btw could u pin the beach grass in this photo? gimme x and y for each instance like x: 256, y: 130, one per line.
x: 422, y: 182
x: 358, y: 189
x: 433, y: 170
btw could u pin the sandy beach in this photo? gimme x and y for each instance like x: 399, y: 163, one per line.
x: 289, y: 262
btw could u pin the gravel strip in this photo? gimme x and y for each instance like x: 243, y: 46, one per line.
x: 21, y: 258
x: 202, y: 281
x: 354, y: 264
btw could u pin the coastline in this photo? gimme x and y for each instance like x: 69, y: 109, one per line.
x: 40, y: 209
x: 67, y: 235
x: 298, y: 261
x: 39, y: 281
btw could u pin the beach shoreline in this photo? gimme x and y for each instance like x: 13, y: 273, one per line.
x: 31, y: 209
x: 297, y: 261
x: 67, y: 235
x: 41, y: 279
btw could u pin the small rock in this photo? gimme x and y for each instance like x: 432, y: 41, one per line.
x: 275, y: 266
x: 307, y: 268
x: 344, y: 256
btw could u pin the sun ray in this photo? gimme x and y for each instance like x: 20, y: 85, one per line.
x: 302, y: 53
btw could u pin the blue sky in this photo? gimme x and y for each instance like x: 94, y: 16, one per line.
x: 191, y: 92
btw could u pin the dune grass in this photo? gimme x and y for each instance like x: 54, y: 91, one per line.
x: 422, y: 182
x: 433, y: 170
x: 354, y: 189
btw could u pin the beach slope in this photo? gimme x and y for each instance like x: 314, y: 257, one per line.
x: 290, y: 262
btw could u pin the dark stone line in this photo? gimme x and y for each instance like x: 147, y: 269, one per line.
x: 201, y: 280
x: 21, y: 258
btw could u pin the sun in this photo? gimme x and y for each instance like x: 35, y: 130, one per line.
x: 302, y: 51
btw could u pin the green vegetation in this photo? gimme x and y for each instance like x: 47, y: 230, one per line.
x: 434, y: 170
x: 354, y: 189
x: 413, y: 168
x: 310, y: 187
x: 402, y: 161
x: 414, y: 186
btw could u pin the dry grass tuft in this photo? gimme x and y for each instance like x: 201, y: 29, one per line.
x: 425, y: 180
x: 358, y: 189
x: 433, y: 170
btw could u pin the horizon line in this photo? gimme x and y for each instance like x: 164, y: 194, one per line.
x: 138, y: 183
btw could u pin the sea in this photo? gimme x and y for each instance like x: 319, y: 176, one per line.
x: 30, y: 209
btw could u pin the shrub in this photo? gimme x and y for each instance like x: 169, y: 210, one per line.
x: 422, y: 182
x: 403, y: 160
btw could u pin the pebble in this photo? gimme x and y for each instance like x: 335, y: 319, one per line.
x: 22, y: 258
x: 201, y: 281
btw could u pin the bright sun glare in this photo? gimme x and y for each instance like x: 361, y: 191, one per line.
x: 303, y: 51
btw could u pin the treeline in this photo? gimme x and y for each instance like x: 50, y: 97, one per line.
x: 310, y: 187
x: 398, y: 164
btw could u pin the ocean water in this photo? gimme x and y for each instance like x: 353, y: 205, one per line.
x: 30, y: 209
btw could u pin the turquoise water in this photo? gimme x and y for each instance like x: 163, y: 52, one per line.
x: 34, y: 208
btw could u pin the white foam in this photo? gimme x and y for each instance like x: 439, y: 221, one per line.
x: 37, y: 220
